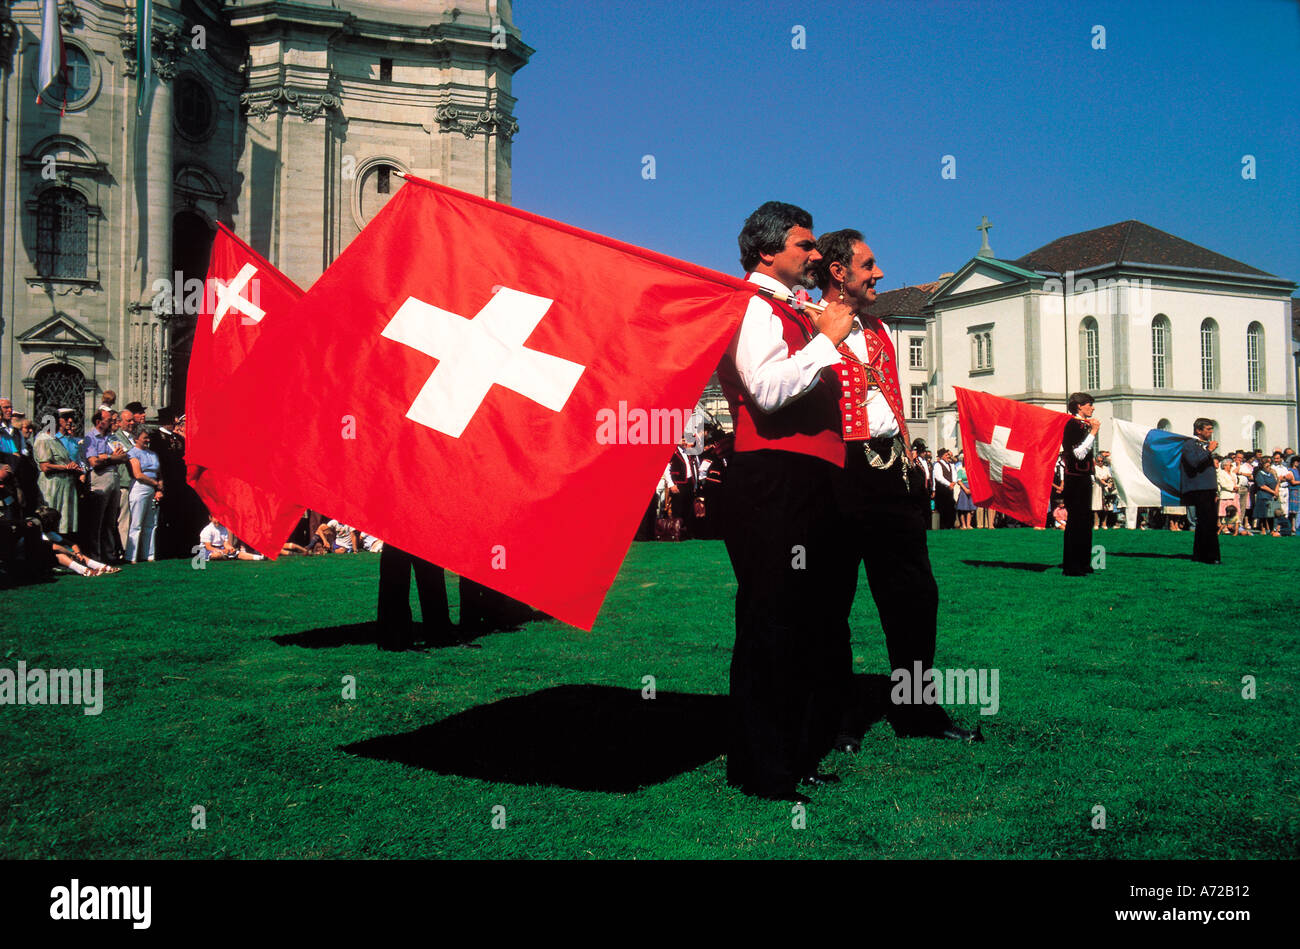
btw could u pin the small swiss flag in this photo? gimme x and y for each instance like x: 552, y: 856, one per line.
x: 243, y: 292
x: 1010, y: 452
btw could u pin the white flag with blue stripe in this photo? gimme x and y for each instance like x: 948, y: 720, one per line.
x: 1146, y: 465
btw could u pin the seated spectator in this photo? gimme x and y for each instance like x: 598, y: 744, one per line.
x: 1059, y: 515
x: 218, y: 544
x: 1228, y: 526
x: 70, y: 559
x: 338, y: 538
x: 371, y: 545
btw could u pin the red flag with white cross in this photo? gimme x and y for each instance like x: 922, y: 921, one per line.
x: 1010, y: 451
x: 242, y: 291
x: 458, y: 380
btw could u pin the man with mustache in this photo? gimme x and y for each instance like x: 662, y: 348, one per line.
x: 778, y: 524
x: 880, y: 523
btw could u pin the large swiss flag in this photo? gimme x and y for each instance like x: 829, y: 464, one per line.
x: 243, y: 294
x: 1010, y: 450
x: 449, y: 384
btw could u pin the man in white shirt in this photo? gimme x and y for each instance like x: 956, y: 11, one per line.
x: 880, y: 522
x: 779, y: 521
x: 218, y: 545
x: 945, y: 501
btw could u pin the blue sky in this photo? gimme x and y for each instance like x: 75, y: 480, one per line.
x: 1049, y: 135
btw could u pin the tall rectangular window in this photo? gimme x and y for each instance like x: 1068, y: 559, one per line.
x: 916, y: 352
x: 1160, y: 352
x: 1254, y: 358
x: 1209, y: 355
x: 918, y: 402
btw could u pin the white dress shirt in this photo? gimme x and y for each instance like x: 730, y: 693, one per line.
x: 772, y: 375
x: 943, y: 475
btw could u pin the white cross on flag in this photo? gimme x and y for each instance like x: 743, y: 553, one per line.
x: 231, y: 296
x: 443, y: 384
x: 996, y: 453
x: 1010, y: 451
x: 240, y: 283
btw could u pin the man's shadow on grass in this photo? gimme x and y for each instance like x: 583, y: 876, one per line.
x: 1116, y: 553
x: 367, y: 634
x: 1012, y: 565
x: 586, y: 737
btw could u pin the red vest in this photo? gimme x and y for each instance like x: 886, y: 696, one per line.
x: 808, y: 425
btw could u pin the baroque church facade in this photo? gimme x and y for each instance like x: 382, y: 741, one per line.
x: 1158, y: 329
x: 282, y: 119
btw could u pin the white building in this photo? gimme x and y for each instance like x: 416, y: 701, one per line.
x: 1158, y: 329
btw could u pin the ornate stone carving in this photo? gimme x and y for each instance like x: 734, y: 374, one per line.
x: 453, y: 118
x: 168, y: 45
x: 309, y: 105
x: 69, y: 16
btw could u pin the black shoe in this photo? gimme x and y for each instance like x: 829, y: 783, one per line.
x: 819, y: 779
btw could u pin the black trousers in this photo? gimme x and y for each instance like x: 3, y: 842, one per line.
x: 788, y: 663
x: 946, y: 505
x: 1077, y: 494
x: 882, y: 528
x: 1205, y: 544
x: 396, y: 630
x: 99, y: 522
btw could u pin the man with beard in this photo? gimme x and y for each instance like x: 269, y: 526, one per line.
x: 880, y: 523
x: 778, y: 524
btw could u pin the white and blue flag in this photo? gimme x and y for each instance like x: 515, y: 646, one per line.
x: 1146, y: 464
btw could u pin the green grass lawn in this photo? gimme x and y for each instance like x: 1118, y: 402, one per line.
x: 223, y: 689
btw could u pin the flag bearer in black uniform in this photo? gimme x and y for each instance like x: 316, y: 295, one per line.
x: 1077, y: 447
x: 1200, y: 490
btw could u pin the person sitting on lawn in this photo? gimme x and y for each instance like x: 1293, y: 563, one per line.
x: 339, y: 538
x: 70, y: 558
x: 219, y: 545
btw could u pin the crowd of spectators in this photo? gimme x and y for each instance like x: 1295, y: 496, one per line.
x: 88, y: 500
x: 1259, y: 493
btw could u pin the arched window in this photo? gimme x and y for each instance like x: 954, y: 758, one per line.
x: 59, y: 387
x: 1089, y: 354
x: 1255, y: 358
x: 1209, y: 355
x: 61, y: 219
x: 1160, y: 351
x: 1257, y: 439
x: 1163, y: 425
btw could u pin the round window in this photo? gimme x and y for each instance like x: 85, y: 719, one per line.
x: 193, y: 108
